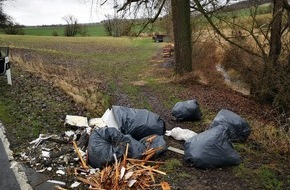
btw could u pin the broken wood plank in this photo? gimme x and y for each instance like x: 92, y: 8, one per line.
x: 165, y: 185
x: 84, y: 165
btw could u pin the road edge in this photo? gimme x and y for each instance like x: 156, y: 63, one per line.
x: 17, y: 168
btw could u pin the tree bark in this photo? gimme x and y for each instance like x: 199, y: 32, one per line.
x: 182, y: 35
x: 276, y: 31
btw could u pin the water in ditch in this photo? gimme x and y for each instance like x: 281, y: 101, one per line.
x: 236, y: 85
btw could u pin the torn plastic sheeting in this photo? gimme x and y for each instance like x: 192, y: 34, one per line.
x: 239, y: 128
x: 180, y: 134
x: 139, y: 123
x: 211, y: 149
x: 187, y: 111
x: 76, y: 121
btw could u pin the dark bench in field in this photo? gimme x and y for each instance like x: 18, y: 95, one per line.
x: 158, y: 38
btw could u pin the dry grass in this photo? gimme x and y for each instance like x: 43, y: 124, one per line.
x: 71, y: 81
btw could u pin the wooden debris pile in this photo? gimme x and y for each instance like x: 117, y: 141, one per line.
x: 167, y: 51
x: 128, y: 174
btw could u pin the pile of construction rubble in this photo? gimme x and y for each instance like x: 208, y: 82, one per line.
x: 116, y: 150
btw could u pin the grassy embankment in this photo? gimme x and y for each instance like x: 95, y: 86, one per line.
x: 88, y: 69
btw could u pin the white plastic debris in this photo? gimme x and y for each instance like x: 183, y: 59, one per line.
x: 123, y: 169
x: 41, y: 138
x: 69, y: 133
x: 56, y: 182
x: 132, y: 182
x: 41, y: 171
x: 97, y: 122
x: 175, y: 150
x: 75, y: 184
x: 128, y: 175
x: 45, y: 154
x: 110, y: 119
x: 60, y: 172
x: 77, y: 121
x: 24, y: 156
x: 180, y: 134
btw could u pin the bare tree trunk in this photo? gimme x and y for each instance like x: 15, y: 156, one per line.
x: 182, y: 35
x: 276, y: 31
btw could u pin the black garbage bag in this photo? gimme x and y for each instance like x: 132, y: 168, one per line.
x: 187, y: 111
x: 157, y: 142
x: 138, y: 123
x: 239, y: 127
x: 105, y: 142
x: 136, y: 148
x: 211, y: 149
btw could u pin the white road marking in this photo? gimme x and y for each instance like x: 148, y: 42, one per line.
x: 17, y: 168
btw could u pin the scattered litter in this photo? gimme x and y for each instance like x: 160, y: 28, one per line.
x: 115, y: 151
x: 75, y: 184
x: 76, y: 121
x: 40, y: 139
x: 187, y: 111
x: 45, y: 154
x: 88, y: 147
x: 41, y: 171
x: 70, y: 134
x: 60, y: 172
x: 56, y: 182
x: 181, y: 134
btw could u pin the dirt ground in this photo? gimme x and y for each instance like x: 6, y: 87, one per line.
x: 210, y: 97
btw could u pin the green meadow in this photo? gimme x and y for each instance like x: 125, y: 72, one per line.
x: 92, y: 30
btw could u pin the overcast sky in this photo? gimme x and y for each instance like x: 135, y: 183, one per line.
x: 40, y: 12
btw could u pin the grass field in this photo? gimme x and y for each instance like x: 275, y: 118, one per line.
x: 103, y: 59
x: 92, y: 30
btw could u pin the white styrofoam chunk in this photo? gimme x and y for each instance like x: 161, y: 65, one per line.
x: 77, y: 121
x: 110, y: 119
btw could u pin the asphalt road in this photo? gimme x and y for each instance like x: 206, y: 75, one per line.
x: 14, y: 176
x: 7, y: 177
